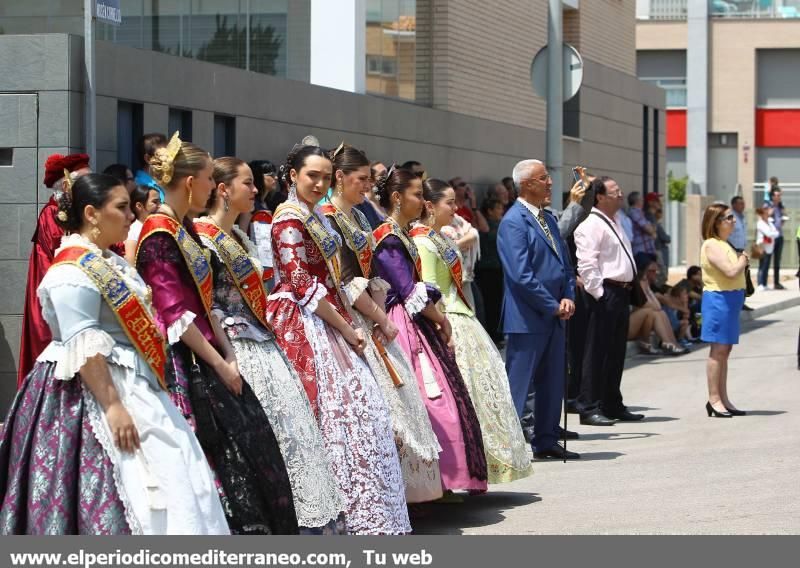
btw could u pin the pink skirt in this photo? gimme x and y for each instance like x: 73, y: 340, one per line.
x: 442, y: 410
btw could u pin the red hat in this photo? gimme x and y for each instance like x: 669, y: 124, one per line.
x: 653, y: 196
x: 56, y: 164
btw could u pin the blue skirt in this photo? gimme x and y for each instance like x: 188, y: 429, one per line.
x: 721, y: 316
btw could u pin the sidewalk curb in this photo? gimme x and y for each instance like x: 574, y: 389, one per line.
x: 631, y: 350
x: 762, y: 311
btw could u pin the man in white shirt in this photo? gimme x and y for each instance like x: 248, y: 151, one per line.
x: 606, y: 266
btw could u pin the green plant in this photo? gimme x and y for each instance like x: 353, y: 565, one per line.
x: 677, y: 187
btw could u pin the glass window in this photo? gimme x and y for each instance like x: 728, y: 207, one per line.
x: 391, y: 48
x: 130, y: 124
x: 180, y: 120
x: 224, y: 136
x: 247, y: 34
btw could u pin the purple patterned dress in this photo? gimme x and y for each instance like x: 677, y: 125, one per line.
x: 462, y: 461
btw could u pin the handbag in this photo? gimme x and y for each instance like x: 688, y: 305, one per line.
x: 749, y: 289
x: 207, y: 428
x: 756, y: 250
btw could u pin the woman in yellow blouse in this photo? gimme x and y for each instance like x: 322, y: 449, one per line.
x: 723, y: 298
x: 480, y: 363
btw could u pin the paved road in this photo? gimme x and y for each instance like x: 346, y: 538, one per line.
x: 676, y: 472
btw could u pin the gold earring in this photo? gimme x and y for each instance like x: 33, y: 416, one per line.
x: 339, y: 188
x: 396, y: 210
x: 226, y: 203
x: 95, y: 232
x: 190, y: 197
x: 431, y: 217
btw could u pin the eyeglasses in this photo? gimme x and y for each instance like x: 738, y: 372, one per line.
x: 542, y: 179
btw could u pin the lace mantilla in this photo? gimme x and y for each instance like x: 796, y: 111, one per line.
x: 355, y: 425
x: 179, y: 327
x: 417, y: 300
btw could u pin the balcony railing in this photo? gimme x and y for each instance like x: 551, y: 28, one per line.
x: 751, y: 9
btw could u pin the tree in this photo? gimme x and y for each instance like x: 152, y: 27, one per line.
x: 677, y: 187
x: 228, y: 46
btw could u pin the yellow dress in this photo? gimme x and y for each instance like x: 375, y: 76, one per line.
x: 483, y: 370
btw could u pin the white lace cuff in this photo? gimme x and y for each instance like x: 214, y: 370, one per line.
x: 355, y: 288
x: 179, y: 327
x: 310, y: 299
x: 80, y: 348
x: 418, y: 299
x: 379, y: 285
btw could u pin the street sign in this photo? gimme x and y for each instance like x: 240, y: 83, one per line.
x: 107, y: 11
x: 572, y: 73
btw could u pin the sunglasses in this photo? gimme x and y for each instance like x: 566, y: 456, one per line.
x: 728, y: 217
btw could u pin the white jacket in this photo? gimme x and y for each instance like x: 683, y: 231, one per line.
x: 766, y: 234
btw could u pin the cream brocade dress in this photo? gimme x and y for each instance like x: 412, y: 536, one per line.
x: 507, y: 454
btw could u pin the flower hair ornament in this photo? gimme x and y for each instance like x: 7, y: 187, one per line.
x: 167, y: 156
x: 66, y: 197
x: 338, y: 149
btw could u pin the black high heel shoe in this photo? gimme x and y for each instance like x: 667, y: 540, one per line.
x: 716, y: 413
x: 735, y: 412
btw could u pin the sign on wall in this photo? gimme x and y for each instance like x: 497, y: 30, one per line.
x: 108, y: 11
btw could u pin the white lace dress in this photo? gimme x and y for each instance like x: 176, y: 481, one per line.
x: 166, y: 486
x: 351, y: 412
x: 317, y: 500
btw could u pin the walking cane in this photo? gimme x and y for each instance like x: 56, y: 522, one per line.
x: 566, y: 384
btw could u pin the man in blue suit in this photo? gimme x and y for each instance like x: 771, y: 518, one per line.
x: 539, y: 298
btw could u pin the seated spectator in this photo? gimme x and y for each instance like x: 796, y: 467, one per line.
x: 489, y: 271
x: 694, y: 277
x: 647, y: 268
x: 675, y: 303
x: 640, y: 328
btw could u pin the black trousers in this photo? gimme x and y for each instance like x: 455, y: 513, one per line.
x: 576, y: 343
x: 604, y: 355
x: 776, y: 259
x: 490, y: 282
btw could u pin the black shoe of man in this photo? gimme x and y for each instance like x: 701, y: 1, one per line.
x: 569, y: 433
x: 597, y: 419
x: 626, y: 416
x: 557, y: 452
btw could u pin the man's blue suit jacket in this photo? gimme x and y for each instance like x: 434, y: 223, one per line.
x: 536, y: 278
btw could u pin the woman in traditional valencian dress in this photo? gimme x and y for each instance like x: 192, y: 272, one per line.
x: 424, y: 335
x: 507, y: 455
x: 316, y: 333
x: 365, y: 298
x: 240, y: 303
x: 202, y: 373
x: 93, y: 444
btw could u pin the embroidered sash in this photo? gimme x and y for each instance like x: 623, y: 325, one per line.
x: 358, y: 240
x: 447, y: 253
x: 130, y: 310
x: 326, y: 243
x: 240, y: 268
x: 390, y: 227
x: 265, y: 217
x: 193, y: 254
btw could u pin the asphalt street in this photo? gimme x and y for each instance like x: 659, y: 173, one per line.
x: 676, y: 472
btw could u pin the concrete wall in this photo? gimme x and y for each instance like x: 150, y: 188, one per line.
x: 40, y: 114
x: 271, y: 114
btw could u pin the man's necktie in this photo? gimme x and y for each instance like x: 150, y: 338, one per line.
x: 546, y: 229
